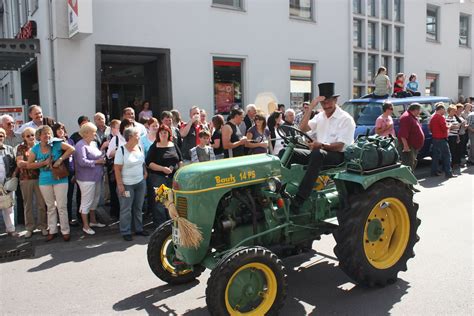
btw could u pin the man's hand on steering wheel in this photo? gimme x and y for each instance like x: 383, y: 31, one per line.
x: 291, y: 134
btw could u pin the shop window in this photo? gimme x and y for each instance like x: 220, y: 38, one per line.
x: 301, y: 84
x: 371, y: 8
x: 357, y: 37
x: 432, y: 23
x: 227, y: 84
x: 235, y: 4
x: 464, y: 30
x: 302, y: 9
x: 357, y: 70
x: 431, y: 84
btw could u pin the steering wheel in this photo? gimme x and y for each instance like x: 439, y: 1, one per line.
x: 291, y: 134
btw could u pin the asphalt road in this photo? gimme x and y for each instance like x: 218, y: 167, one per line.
x: 105, y: 275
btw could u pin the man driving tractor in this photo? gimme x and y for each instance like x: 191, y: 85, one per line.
x: 334, y: 130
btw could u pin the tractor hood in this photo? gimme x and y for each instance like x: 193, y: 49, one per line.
x: 226, y: 173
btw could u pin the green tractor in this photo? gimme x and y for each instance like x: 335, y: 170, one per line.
x: 242, y: 208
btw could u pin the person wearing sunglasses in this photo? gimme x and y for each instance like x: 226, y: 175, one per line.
x: 30, y: 187
x: 384, y: 123
x: 8, y: 124
x: 258, y: 136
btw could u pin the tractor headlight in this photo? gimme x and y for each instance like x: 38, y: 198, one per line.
x: 274, y: 184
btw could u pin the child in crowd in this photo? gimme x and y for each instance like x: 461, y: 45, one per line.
x: 412, y: 85
x: 203, y: 152
x: 399, y: 85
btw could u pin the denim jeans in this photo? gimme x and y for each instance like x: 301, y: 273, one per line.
x: 158, y: 210
x: 131, y: 206
x: 441, y: 152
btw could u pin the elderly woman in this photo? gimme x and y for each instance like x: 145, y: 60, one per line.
x: 130, y: 174
x: 7, y: 169
x: 52, y: 152
x: 163, y: 159
x: 29, y: 185
x: 89, y: 162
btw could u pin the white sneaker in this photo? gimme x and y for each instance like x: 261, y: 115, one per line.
x: 96, y: 224
x: 88, y: 231
x: 28, y: 234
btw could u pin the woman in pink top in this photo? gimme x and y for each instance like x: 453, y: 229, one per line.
x: 384, y: 123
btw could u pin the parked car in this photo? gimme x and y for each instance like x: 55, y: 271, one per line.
x: 366, y: 111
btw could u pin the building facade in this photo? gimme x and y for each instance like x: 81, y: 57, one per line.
x: 105, y: 55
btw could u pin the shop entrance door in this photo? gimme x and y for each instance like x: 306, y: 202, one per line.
x: 127, y: 76
x: 118, y: 96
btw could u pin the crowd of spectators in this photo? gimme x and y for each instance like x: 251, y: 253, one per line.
x: 121, y: 163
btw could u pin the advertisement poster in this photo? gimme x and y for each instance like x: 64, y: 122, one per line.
x: 224, y: 96
x: 73, y: 13
x: 15, y: 111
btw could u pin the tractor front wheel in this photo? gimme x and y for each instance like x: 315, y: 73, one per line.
x: 249, y: 281
x: 377, y: 233
x: 162, y: 259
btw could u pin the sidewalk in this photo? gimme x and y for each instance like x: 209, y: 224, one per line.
x: 12, y: 248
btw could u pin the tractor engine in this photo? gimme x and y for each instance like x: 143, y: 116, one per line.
x: 240, y: 214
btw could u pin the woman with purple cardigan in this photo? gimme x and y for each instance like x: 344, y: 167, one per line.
x: 89, y: 166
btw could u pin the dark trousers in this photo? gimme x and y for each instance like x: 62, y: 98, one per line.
x: 114, y: 200
x: 454, y: 146
x: 315, y: 160
x: 70, y: 194
x: 441, y: 153
x: 157, y: 210
x: 20, y: 210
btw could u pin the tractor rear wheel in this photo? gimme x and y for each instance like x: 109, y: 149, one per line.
x: 377, y: 233
x: 162, y: 259
x: 248, y: 281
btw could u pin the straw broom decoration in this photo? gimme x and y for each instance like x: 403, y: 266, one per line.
x: 190, y: 235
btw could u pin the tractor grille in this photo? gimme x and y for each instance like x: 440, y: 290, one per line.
x: 182, y: 206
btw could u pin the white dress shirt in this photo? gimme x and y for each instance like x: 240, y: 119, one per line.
x: 339, y: 128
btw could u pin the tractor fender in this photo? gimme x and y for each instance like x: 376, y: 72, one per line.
x: 401, y: 173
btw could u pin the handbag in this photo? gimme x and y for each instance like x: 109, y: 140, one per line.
x: 59, y: 172
x: 11, y: 184
x: 6, y: 200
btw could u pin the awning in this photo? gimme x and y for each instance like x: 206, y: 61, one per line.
x: 15, y: 53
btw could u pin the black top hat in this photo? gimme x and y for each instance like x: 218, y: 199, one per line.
x: 326, y: 89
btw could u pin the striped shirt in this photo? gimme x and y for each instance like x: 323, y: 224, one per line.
x: 454, y: 126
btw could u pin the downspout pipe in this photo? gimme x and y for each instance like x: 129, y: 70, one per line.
x: 52, y: 69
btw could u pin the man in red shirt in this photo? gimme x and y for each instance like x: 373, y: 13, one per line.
x: 439, y: 132
x: 410, y: 136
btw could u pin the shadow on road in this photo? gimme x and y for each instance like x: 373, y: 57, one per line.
x: 83, y: 249
x: 322, y: 288
x: 315, y: 286
x: 147, y: 300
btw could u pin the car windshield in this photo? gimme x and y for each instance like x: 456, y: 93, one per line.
x: 367, y: 113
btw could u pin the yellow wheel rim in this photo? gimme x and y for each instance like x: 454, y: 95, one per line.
x: 254, y: 282
x: 386, y: 233
x: 164, y: 253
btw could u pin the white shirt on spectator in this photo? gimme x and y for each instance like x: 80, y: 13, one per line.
x: 339, y: 128
x: 132, y: 165
x: 141, y: 128
x: 27, y: 124
x: 113, y: 145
